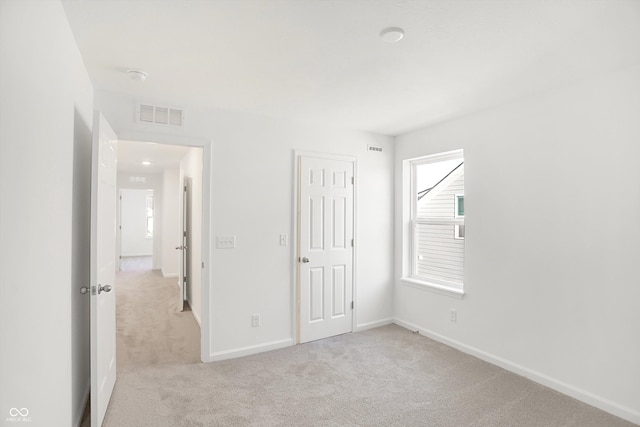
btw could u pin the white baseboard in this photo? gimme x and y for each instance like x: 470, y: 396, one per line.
x: 246, y: 351
x: 134, y: 255
x: 168, y: 275
x: 371, y: 325
x: 77, y: 420
x: 197, y: 317
x: 564, y: 388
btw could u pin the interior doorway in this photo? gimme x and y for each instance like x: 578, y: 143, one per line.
x: 151, y: 180
x: 325, y: 236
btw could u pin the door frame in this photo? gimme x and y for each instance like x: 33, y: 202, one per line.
x: 186, y: 215
x: 207, y: 161
x: 295, y: 246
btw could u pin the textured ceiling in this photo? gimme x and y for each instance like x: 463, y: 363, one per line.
x: 322, y: 60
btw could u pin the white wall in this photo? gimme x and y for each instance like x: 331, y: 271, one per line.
x: 155, y: 182
x: 133, y: 220
x: 253, y: 164
x: 191, y: 166
x: 171, y: 222
x: 45, y: 156
x: 552, y: 197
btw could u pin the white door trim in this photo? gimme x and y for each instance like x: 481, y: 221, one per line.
x: 295, y: 272
x: 206, y: 349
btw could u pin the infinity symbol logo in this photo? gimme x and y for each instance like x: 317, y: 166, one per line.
x: 14, y: 412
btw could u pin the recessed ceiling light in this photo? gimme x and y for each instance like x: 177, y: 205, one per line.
x: 146, y: 163
x: 138, y: 75
x: 392, y: 34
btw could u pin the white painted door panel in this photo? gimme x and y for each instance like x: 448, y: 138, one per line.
x: 325, y: 233
x: 103, y: 268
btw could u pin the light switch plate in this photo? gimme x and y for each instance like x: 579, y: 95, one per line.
x: 226, y: 242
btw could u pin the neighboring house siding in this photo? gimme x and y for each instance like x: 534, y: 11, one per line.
x: 440, y: 255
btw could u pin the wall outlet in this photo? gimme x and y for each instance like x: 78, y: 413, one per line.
x: 255, y: 320
x: 283, y: 240
x: 453, y: 315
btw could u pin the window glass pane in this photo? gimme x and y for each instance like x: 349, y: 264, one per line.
x: 149, y: 215
x: 429, y: 175
x: 460, y: 205
x: 437, y: 215
x: 439, y: 254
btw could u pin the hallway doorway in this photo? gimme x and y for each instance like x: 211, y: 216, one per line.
x: 158, y: 316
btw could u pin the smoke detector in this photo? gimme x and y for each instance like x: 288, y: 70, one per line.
x: 137, y: 75
x: 392, y: 34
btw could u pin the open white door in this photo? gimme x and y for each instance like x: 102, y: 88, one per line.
x: 103, y: 267
x: 325, y: 251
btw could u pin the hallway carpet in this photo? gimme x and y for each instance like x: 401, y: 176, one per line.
x: 381, y: 377
x: 150, y: 329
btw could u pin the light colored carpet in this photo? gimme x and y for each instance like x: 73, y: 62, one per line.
x: 150, y: 329
x: 382, y: 377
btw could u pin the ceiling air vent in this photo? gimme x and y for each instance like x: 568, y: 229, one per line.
x: 160, y: 115
x: 372, y: 148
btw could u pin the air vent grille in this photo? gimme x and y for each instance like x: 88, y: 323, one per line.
x: 373, y: 148
x: 160, y: 115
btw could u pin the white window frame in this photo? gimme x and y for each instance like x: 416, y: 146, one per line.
x: 456, y: 201
x: 149, y: 197
x: 412, y: 278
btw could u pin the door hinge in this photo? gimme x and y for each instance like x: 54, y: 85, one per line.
x: 352, y: 305
x: 352, y: 243
x: 353, y: 180
x: 184, y: 234
x: 203, y: 265
x: 185, y: 188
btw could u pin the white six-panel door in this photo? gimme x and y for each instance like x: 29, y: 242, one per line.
x: 103, y: 268
x: 325, y: 247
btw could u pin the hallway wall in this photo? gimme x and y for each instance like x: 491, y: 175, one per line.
x: 46, y: 117
x: 133, y: 220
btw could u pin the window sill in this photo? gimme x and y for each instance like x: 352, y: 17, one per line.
x: 433, y: 287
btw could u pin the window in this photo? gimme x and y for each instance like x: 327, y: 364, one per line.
x: 459, y: 200
x: 150, y: 215
x: 437, y: 221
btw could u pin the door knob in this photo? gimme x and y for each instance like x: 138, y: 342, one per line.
x: 305, y: 259
x: 106, y: 288
x: 84, y: 290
